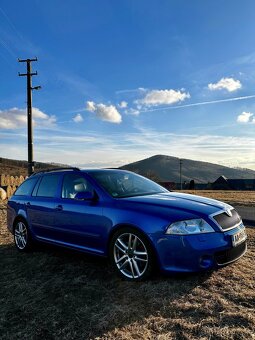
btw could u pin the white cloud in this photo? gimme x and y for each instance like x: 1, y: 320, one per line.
x: 107, y: 113
x: 246, y: 117
x: 123, y: 104
x: 78, y: 118
x: 163, y: 97
x: 131, y: 111
x: 16, y: 118
x: 229, y: 84
x: 90, y: 106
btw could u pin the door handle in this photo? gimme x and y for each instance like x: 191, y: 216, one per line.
x: 59, y: 207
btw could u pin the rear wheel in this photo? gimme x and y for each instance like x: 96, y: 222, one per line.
x: 131, y: 254
x: 22, y: 238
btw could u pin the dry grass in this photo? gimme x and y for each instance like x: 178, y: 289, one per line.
x: 12, y: 170
x: 231, y: 197
x: 57, y: 294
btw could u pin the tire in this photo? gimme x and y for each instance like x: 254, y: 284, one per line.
x: 131, y: 255
x: 22, y: 237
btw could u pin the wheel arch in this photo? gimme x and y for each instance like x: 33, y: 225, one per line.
x: 134, y: 227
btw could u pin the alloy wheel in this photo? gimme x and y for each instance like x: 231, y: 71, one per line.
x: 130, y: 255
x: 21, y: 235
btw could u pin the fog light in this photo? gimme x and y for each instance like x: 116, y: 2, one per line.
x: 206, y: 261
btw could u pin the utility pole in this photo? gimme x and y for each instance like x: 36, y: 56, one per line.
x: 29, y: 74
x: 181, y: 173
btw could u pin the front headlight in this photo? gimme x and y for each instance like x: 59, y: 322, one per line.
x: 196, y: 226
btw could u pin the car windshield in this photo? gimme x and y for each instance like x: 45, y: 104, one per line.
x: 120, y: 184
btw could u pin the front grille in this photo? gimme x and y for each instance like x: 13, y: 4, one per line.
x: 227, y: 222
x: 226, y: 256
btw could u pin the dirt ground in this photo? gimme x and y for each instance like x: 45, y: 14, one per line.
x: 53, y: 293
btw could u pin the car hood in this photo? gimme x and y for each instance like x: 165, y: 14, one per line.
x: 179, y: 201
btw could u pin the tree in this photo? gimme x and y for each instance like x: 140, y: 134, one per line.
x: 192, y: 185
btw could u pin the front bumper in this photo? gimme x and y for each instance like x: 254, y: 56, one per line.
x: 193, y: 253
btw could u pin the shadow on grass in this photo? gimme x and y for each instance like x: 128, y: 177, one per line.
x: 55, y: 293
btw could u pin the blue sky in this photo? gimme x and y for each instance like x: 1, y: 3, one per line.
x: 125, y: 80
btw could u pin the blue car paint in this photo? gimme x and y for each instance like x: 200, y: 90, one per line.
x: 185, y: 253
x: 88, y: 225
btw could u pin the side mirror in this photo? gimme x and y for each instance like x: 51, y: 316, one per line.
x: 85, y: 196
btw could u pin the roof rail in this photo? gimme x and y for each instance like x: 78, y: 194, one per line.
x: 55, y: 169
x: 114, y: 169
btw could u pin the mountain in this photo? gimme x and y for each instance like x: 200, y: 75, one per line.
x: 160, y: 168
x: 166, y: 168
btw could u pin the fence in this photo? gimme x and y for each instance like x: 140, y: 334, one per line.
x: 8, y: 184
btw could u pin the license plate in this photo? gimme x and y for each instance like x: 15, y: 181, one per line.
x: 239, y: 237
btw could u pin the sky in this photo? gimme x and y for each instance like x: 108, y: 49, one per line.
x: 125, y: 80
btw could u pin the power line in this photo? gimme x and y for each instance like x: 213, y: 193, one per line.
x: 8, y: 49
x: 10, y: 23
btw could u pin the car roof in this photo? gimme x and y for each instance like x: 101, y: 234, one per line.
x: 102, y: 170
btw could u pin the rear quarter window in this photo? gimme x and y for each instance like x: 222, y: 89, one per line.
x: 26, y: 187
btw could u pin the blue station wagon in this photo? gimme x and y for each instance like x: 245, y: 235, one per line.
x: 135, y: 222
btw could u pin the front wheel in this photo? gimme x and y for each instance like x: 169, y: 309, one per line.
x: 131, y: 255
x: 22, y: 238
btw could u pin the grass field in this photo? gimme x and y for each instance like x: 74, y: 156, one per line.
x: 231, y: 197
x: 57, y: 294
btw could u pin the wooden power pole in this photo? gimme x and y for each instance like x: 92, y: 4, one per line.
x: 29, y: 74
x: 181, y: 174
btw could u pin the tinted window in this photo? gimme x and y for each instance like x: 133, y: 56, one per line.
x: 48, y: 186
x: 26, y: 187
x: 34, y: 192
x: 126, y: 184
x: 74, y: 183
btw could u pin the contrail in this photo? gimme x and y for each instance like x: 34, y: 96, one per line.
x: 181, y: 106
x: 139, y: 89
x: 200, y: 103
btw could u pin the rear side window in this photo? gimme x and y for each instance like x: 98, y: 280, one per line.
x: 48, y: 186
x: 26, y: 187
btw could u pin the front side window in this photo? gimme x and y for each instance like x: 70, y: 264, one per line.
x: 122, y: 184
x: 26, y: 187
x: 74, y: 183
x: 48, y: 186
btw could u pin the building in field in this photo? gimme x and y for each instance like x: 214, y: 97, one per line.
x: 223, y: 183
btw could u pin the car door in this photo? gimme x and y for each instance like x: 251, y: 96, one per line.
x: 79, y: 223
x: 42, y: 206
